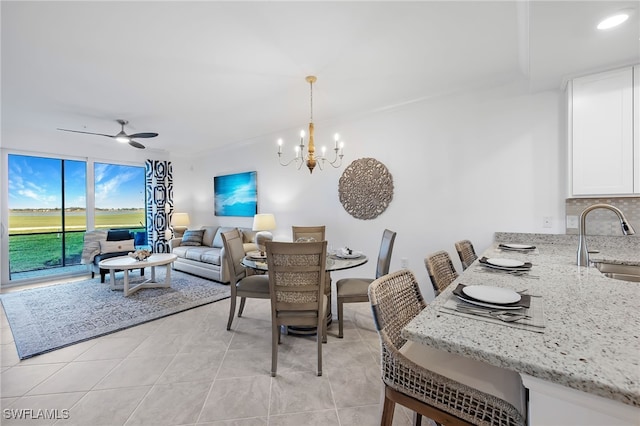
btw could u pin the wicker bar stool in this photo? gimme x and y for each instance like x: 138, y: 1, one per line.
x: 441, y: 270
x: 448, y: 388
x: 466, y: 253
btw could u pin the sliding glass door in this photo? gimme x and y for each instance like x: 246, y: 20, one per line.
x: 47, y: 205
x: 48, y: 210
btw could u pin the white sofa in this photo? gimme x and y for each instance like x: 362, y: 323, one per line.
x: 208, y: 259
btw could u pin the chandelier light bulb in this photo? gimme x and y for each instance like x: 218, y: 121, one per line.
x: 302, y: 133
x: 613, y: 21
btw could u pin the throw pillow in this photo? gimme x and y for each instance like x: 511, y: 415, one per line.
x: 116, y: 246
x: 192, y: 237
x: 118, y: 235
x: 217, y: 240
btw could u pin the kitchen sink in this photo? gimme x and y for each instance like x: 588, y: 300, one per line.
x: 619, y: 272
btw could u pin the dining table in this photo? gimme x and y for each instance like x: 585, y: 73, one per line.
x: 336, y: 261
x: 577, y: 349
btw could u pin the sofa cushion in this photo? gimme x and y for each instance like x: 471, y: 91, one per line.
x: 217, y: 241
x: 118, y: 235
x: 116, y: 246
x: 192, y: 237
x: 209, y: 234
x: 212, y: 256
x: 195, y: 253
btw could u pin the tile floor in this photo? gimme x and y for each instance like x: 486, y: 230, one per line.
x: 186, y: 369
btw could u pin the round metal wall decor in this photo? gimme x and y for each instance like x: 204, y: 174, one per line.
x: 365, y: 188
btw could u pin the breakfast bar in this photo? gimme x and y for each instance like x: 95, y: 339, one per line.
x: 583, y: 367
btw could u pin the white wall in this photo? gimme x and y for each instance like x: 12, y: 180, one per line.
x: 463, y: 166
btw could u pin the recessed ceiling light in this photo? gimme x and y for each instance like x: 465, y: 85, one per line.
x: 613, y: 21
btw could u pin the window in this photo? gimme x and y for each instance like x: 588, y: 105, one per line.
x: 119, y: 196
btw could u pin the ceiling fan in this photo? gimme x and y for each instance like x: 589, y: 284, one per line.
x: 122, y: 136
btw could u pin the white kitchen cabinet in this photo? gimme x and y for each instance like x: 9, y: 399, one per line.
x: 603, y: 159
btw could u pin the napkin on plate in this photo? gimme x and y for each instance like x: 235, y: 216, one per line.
x: 507, y: 247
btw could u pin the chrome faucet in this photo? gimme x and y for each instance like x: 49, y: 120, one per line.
x: 583, y: 253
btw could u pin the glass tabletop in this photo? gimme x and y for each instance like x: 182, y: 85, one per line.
x: 334, y: 263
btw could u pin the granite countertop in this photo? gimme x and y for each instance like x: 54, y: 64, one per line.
x: 592, y: 337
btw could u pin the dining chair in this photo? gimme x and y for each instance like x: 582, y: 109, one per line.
x: 308, y: 232
x: 441, y: 270
x: 448, y: 388
x: 466, y: 253
x: 296, y: 283
x: 351, y: 290
x: 242, y: 284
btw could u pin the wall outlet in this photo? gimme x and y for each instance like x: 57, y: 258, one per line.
x: 572, y: 222
x: 547, y: 221
x: 404, y: 262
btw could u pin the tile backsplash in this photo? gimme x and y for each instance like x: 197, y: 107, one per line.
x: 602, y: 221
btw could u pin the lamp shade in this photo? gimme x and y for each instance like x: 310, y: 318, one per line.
x: 264, y: 222
x: 180, y: 219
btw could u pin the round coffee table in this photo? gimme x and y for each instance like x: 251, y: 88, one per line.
x: 126, y: 263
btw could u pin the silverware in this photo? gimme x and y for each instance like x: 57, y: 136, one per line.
x: 516, y: 273
x: 506, y: 316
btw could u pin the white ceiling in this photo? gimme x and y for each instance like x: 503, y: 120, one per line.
x: 208, y: 74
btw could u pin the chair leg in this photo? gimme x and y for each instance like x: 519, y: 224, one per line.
x: 417, y: 419
x: 388, y: 407
x: 232, y: 311
x: 93, y: 274
x: 324, y: 331
x: 275, y: 339
x: 320, y: 337
x: 242, y: 300
x: 340, y: 318
x: 102, y: 274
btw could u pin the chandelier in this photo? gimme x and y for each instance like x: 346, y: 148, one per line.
x: 310, y: 159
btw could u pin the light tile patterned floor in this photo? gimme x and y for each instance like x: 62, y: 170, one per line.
x: 187, y: 369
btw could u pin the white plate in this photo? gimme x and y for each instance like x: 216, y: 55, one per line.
x: 505, y: 263
x: 353, y: 255
x: 519, y: 246
x: 490, y: 294
x: 489, y: 305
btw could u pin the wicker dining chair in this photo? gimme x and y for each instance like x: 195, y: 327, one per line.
x: 242, y: 285
x: 296, y: 283
x: 466, y: 253
x: 351, y: 290
x: 441, y: 270
x: 448, y: 388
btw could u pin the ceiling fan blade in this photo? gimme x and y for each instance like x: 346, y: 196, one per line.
x: 144, y: 135
x: 136, y: 144
x: 86, y: 133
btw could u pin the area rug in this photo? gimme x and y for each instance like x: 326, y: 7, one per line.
x: 48, y: 318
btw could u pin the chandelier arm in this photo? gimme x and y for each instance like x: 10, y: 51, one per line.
x: 288, y: 162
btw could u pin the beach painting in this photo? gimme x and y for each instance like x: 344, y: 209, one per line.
x: 236, y: 194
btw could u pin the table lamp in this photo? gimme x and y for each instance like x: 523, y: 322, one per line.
x: 180, y: 222
x: 263, y: 223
